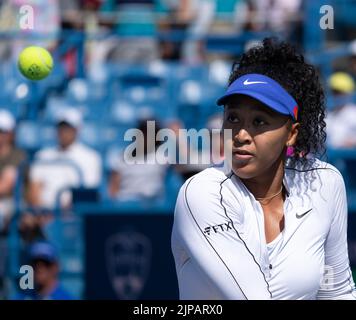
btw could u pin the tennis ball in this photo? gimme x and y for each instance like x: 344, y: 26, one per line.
x: 35, y: 63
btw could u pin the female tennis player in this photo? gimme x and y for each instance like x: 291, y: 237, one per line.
x: 264, y: 225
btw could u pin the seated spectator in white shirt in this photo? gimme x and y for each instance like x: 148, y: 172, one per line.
x: 341, y: 120
x: 199, y: 159
x: 141, y: 180
x: 68, y: 165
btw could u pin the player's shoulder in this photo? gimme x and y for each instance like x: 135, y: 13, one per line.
x: 323, y: 168
x: 315, y: 171
x: 201, y: 194
x: 205, y: 183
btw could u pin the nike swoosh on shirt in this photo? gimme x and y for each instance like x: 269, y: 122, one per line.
x: 246, y: 82
x: 299, y: 216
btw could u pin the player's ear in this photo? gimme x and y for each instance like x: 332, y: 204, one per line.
x: 293, y: 134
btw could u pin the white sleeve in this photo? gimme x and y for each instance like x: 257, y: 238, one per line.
x: 92, y: 172
x: 209, y: 254
x: 36, y: 174
x: 337, y: 282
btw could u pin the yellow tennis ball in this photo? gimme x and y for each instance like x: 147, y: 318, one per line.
x: 35, y: 63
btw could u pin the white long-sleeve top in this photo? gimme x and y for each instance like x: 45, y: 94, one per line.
x: 219, y: 246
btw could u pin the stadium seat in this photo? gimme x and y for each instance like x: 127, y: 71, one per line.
x: 32, y: 135
x: 63, y: 233
x: 101, y: 135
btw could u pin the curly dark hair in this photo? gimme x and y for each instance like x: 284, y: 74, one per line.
x: 280, y: 61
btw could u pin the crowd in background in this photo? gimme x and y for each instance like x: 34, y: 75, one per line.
x: 128, y: 32
x: 190, y: 20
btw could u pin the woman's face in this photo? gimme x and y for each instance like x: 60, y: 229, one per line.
x: 259, y: 136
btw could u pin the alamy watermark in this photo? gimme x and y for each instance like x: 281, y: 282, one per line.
x: 26, y: 17
x: 327, y: 20
x: 169, y: 147
x: 327, y: 282
x: 26, y: 281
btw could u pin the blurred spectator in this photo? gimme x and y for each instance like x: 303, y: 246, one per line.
x: 7, y: 18
x: 189, y: 21
x: 200, y: 159
x: 170, y: 49
x: 144, y: 180
x: 200, y: 19
x: 80, y: 21
x: 91, y: 26
x: 68, y: 165
x: 135, y: 24
x: 10, y: 160
x: 71, y: 23
x: 341, y: 121
x: 30, y: 226
x: 43, y: 257
x: 70, y: 9
x: 241, y: 14
x: 274, y: 15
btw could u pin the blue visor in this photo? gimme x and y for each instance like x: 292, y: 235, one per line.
x: 264, y: 89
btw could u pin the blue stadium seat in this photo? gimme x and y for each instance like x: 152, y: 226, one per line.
x: 27, y: 135
x: 32, y: 135
x: 122, y: 111
x: 65, y: 233
x: 102, y: 135
x: 173, y: 183
x: 91, y: 98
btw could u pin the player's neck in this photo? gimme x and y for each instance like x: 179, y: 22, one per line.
x: 269, y: 183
